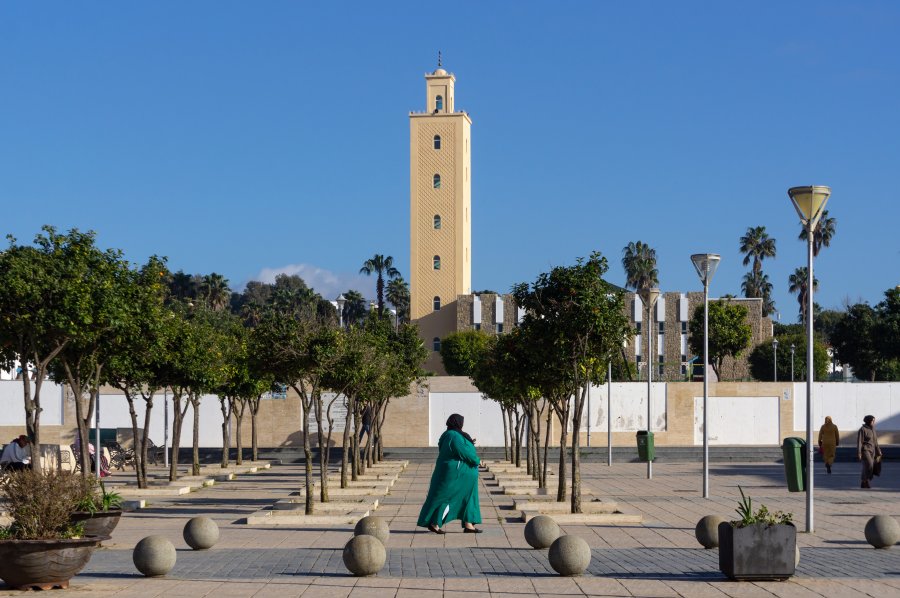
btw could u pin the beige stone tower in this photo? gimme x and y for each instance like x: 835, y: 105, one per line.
x: 440, y: 212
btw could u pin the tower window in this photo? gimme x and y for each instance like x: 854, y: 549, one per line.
x: 437, y: 262
x: 437, y: 303
x: 437, y: 181
x: 437, y: 222
x: 439, y: 103
x: 437, y: 142
x: 436, y: 344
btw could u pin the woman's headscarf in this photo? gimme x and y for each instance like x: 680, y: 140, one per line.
x: 828, y: 419
x: 867, y: 420
x: 455, y: 422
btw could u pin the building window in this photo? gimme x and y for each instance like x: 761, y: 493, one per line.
x: 437, y: 262
x: 637, y: 358
x: 437, y: 222
x: 437, y: 303
x: 478, y: 326
x: 437, y: 181
x: 499, y: 327
x: 662, y: 367
x: 683, y: 357
x: 662, y: 327
x: 683, y: 369
x: 439, y: 103
x: 436, y: 344
x: 437, y: 142
x: 684, y: 328
x: 638, y: 327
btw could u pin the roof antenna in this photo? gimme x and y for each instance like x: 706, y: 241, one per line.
x: 439, y: 59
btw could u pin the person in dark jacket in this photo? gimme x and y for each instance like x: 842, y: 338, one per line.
x: 867, y: 449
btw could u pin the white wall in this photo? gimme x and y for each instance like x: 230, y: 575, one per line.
x: 114, y: 414
x: 12, y: 404
x: 738, y: 420
x: 483, y: 419
x: 848, y: 403
x: 628, y: 405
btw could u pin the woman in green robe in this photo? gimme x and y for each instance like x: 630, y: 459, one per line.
x: 453, y: 493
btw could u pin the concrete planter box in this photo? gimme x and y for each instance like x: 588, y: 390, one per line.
x: 757, y: 552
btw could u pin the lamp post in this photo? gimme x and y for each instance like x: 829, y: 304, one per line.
x: 792, y: 361
x: 810, y: 203
x: 649, y: 297
x: 705, y: 264
x: 775, y: 359
x: 341, y: 300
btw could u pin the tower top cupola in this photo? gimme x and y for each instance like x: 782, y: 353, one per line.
x: 439, y: 90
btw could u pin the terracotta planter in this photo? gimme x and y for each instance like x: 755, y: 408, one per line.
x: 44, y: 564
x: 757, y: 552
x: 99, y: 523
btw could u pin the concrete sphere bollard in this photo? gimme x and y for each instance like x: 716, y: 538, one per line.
x: 364, y: 555
x: 154, y: 556
x: 882, y: 531
x: 201, y: 533
x: 541, y: 531
x: 707, y: 531
x: 373, y: 526
x: 570, y: 555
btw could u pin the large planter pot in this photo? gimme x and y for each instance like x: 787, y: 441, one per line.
x: 757, y: 552
x: 44, y: 564
x: 98, y: 523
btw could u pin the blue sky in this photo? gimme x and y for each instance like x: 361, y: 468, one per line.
x: 252, y: 138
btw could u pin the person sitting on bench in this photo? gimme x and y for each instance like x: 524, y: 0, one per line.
x: 16, y: 456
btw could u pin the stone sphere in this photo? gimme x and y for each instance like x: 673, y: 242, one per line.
x: 364, y: 555
x: 373, y: 526
x: 707, y: 531
x: 154, y: 556
x: 201, y: 533
x: 541, y: 531
x: 882, y: 531
x: 570, y: 555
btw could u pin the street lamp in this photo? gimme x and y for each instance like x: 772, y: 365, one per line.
x: 706, y: 264
x: 649, y: 297
x: 792, y: 361
x: 810, y: 203
x: 775, y: 358
x: 341, y: 300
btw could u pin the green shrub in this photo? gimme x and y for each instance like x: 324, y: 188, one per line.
x: 762, y: 515
x: 41, y: 503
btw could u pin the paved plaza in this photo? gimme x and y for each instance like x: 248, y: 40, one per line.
x: 659, y: 557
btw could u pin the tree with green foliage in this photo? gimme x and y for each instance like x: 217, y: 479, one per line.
x: 460, y: 351
x: 35, y: 290
x: 136, y: 367
x: 381, y: 266
x: 729, y: 332
x: 355, y: 308
x: 826, y: 227
x: 757, y: 245
x: 798, y: 282
x: 214, y: 291
x: 578, y: 321
x: 762, y: 359
x: 398, y: 296
x: 868, y: 338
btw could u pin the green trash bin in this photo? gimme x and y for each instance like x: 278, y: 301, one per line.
x: 646, y: 450
x: 794, y: 451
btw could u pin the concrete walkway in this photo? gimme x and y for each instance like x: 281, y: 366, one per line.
x: 659, y: 557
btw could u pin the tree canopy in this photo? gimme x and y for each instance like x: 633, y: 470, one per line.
x: 729, y: 332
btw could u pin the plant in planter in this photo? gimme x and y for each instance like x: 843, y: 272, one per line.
x: 761, y: 545
x: 98, y: 510
x: 43, y: 548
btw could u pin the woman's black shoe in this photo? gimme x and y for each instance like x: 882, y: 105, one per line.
x: 432, y: 528
x: 474, y: 530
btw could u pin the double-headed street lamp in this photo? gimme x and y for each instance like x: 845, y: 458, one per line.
x: 810, y: 203
x: 706, y: 264
x: 649, y: 297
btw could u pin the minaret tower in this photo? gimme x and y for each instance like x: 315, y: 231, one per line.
x: 440, y: 211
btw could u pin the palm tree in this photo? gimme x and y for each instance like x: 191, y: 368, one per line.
x: 797, y: 283
x: 757, y: 245
x: 355, y: 308
x: 639, y: 261
x: 382, y: 266
x: 214, y: 290
x: 182, y: 286
x: 398, y: 296
x: 758, y: 286
x: 822, y: 235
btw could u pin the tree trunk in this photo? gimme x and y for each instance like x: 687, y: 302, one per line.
x: 546, y: 442
x: 225, y: 407
x: 306, y: 404
x: 142, y: 466
x: 323, y: 448
x: 346, y: 446
x: 254, y: 441
x: 239, y: 421
x: 195, y: 462
x: 178, y: 414
x: 512, y: 440
x: 576, y: 447
x: 357, y: 459
x: 505, y: 433
x: 563, y: 441
x: 138, y: 462
x: 378, y: 439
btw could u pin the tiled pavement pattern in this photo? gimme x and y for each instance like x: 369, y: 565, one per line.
x: 657, y: 558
